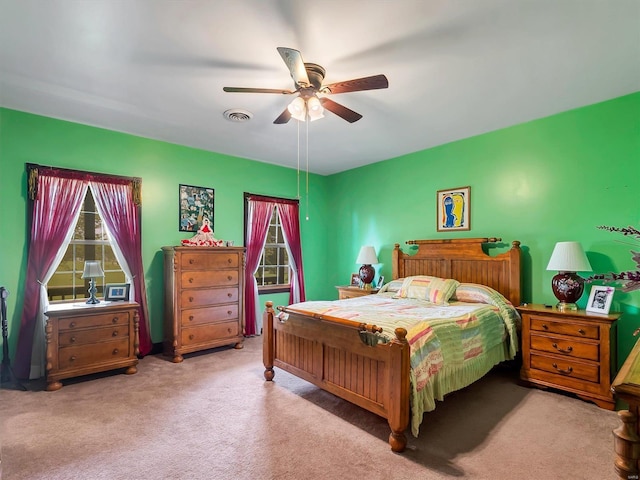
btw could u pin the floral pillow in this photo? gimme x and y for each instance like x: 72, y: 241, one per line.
x: 432, y: 289
x: 474, y: 293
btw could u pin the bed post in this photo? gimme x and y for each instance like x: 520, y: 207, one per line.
x: 395, y: 262
x: 268, y: 348
x: 399, y: 390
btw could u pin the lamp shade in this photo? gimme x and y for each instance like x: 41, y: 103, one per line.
x: 92, y: 269
x: 569, y: 257
x: 298, y: 109
x: 314, y: 108
x: 367, y: 255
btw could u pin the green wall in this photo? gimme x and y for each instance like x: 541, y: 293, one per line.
x: 162, y: 166
x: 541, y: 182
x: 545, y: 181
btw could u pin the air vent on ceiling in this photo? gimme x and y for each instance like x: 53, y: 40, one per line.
x: 237, y: 115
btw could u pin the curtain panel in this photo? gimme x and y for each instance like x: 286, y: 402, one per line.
x: 290, y: 219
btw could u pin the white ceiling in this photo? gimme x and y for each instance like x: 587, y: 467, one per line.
x: 156, y: 68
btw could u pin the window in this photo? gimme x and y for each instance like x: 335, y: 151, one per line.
x: 273, y: 271
x: 89, y: 242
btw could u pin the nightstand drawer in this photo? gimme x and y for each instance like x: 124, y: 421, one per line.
x: 93, y: 335
x: 81, y: 356
x: 115, y: 318
x: 566, y: 368
x: 570, y: 348
x: 545, y: 324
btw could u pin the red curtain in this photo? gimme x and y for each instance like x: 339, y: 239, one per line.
x: 290, y: 220
x: 259, y: 213
x: 121, y: 216
x: 55, y: 210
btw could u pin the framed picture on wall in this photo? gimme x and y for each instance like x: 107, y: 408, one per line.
x: 453, y: 209
x: 600, y: 299
x: 195, y: 203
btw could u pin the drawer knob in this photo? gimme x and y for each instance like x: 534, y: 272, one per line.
x: 191, y: 318
x: 229, y: 312
x: 72, y: 339
x: 581, y: 331
x: 545, y: 326
x: 190, y: 299
x: 72, y: 325
x: 191, y: 261
x: 229, y: 277
x: 228, y: 260
x: 560, y: 370
x: 191, y: 280
x: 569, y: 349
x: 115, y: 333
x: 115, y: 351
x: 114, y: 320
x: 191, y: 337
x: 73, y: 358
x: 229, y: 330
x: 229, y: 295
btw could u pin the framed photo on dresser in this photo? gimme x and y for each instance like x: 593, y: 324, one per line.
x: 600, y: 299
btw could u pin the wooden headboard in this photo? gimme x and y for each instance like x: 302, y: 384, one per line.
x: 464, y: 260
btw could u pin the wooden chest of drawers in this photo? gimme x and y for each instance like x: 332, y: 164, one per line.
x: 569, y: 350
x: 204, y: 298
x: 83, y: 339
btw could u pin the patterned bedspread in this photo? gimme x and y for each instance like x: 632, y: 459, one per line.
x: 450, y: 346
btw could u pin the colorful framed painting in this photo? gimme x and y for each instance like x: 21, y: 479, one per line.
x: 600, y: 299
x: 454, y: 209
x: 196, y: 203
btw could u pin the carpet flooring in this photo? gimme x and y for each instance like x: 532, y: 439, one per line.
x: 214, y: 417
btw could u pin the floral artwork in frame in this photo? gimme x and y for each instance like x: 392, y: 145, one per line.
x: 196, y: 203
x: 600, y: 299
x: 453, y: 209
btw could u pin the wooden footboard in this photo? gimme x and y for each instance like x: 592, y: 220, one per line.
x: 340, y: 357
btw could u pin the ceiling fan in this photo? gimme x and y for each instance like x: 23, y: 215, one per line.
x: 307, y: 80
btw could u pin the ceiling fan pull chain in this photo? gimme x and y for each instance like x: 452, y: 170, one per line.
x: 307, y: 122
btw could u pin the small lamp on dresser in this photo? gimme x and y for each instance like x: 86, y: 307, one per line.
x: 568, y: 258
x: 366, y: 257
x: 92, y: 270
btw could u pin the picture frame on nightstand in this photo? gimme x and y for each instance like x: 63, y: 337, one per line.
x: 600, y: 299
x: 355, y: 279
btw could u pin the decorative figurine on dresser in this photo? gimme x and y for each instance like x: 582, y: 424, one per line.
x: 204, y: 298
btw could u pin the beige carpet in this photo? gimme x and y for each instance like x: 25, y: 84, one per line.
x: 214, y: 417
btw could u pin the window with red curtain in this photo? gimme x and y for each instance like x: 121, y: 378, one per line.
x: 259, y: 210
x: 56, y: 193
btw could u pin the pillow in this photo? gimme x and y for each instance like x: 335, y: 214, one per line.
x: 475, y: 293
x: 392, y: 287
x: 432, y: 289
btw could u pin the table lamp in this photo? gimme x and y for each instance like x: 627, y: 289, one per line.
x: 366, y: 257
x: 92, y: 270
x: 568, y: 258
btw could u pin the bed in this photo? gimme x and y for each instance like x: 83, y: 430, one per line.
x: 340, y: 346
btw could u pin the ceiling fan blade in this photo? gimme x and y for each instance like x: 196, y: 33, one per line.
x: 367, y: 83
x: 256, y: 90
x: 340, y: 110
x: 284, y: 117
x: 293, y: 60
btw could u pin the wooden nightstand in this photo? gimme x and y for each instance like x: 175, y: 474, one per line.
x: 573, y: 351
x: 353, y: 292
x: 84, y: 339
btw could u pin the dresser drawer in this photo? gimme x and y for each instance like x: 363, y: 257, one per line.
x: 207, y: 333
x: 201, y: 278
x: 546, y: 324
x: 207, y: 261
x: 200, y: 316
x: 93, y: 335
x: 570, y: 348
x: 566, y: 368
x: 83, y: 355
x: 198, y: 298
x: 115, y: 318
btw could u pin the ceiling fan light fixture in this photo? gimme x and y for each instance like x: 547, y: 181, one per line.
x: 298, y: 109
x: 314, y: 108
